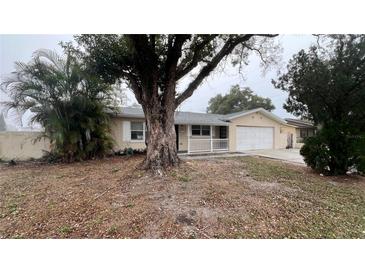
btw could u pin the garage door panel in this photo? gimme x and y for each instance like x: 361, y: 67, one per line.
x: 250, y: 138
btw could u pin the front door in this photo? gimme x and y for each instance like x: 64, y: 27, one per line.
x: 177, y: 136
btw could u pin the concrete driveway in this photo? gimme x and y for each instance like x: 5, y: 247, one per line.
x: 289, y: 155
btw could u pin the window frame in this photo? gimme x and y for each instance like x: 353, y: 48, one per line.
x: 303, y: 133
x: 207, y: 128
x: 201, y: 130
x: 192, y: 130
x: 143, y: 132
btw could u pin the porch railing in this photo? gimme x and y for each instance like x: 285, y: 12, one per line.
x: 207, y: 145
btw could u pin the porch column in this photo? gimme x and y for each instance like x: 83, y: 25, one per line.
x: 188, y: 138
x: 211, y: 138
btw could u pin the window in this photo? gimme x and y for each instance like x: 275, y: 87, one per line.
x: 195, y: 130
x: 205, y: 130
x: 137, y: 131
x: 198, y: 130
x: 303, y: 133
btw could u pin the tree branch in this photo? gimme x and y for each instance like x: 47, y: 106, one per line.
x: 173, y: 55
x: 186, y: 66
x: 141, y: 45
x: 146, y: 64
x: 134, y: 85
x: 259, y: 53
x: 144, y: 54
x: 210, y: 66
x: 174, y: 52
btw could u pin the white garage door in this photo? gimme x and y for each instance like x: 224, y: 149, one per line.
x: 248, y: 138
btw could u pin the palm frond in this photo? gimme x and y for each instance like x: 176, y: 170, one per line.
x: 66, y: 100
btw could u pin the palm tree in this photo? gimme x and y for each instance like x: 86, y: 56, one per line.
x: 67, y: 100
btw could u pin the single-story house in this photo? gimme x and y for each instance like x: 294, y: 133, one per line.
x: 196, y: 133
x: 304, y: 129
x: 203, y: 133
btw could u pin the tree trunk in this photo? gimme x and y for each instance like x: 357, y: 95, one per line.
x: 161, y: 138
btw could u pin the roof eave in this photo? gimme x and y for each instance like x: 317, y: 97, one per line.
x: 121, y: 115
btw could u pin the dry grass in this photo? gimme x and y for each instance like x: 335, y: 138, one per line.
x: 220, y: 198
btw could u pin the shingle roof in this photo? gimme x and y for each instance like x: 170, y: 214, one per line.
x: 299, y: 123
x: 195, y: 118
x: 130, y: 112
x: 181, y: 117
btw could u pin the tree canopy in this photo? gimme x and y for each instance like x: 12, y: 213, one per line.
x: 237, y: 100
x: 327, y: 85
x: 157, y: 62
x: 153, y: 67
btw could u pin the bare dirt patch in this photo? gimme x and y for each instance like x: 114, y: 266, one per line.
x: 243, y: 197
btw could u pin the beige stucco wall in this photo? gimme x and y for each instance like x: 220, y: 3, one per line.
x: 116, y: 127
x: 298, y: 145
x: 117, y: 134
x: 183, y: 137
x: 20, y: 145
x: 259, y: 120
x: 284, y: 131
x: 297, y: 131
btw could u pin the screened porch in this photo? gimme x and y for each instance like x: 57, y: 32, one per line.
x: 202, y: 138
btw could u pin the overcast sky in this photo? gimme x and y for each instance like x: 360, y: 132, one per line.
x: 20, y: 48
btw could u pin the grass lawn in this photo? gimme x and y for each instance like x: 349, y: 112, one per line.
x: 242, y: 197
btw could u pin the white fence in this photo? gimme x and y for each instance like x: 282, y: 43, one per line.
x: 207, y: 145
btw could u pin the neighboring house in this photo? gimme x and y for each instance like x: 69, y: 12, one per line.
x: 304, y: 129
x: 202, y: 132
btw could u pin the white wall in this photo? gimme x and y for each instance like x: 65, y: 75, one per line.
x: 20, y: 145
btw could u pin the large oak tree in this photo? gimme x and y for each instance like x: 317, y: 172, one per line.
x: 238, y: 99
x: 153, y: 65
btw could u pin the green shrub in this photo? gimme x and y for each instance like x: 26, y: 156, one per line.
x: 316, y: 154
x: 128, y: 151
x: 334, y: 151
x: 360, y: 154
